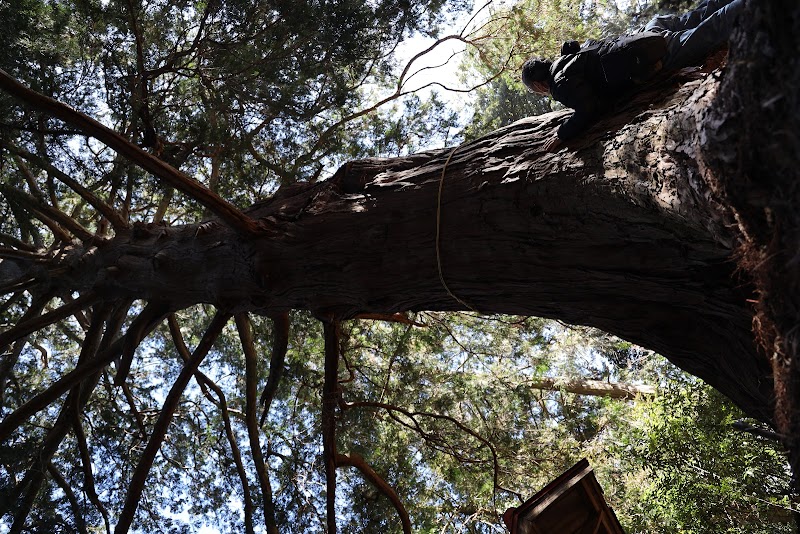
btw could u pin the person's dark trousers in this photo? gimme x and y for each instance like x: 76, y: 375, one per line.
x: 694, y: 35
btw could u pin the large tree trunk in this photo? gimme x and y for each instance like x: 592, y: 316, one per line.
x: 753, y: 132
x: 616, y: 232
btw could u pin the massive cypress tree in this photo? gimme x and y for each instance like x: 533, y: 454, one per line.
x: 664, y: 224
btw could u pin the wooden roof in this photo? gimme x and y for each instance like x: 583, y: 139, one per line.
x: 571, y: 504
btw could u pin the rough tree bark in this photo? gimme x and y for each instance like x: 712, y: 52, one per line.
x: 753, y: 134
x: 619, y: 231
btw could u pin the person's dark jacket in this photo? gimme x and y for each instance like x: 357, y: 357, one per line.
x: 592, y: 77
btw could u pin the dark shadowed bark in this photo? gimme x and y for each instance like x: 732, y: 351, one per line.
x: 753, y: 133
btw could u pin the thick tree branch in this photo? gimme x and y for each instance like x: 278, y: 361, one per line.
x: 280, y: 344
x: 595, y: 388
x: 180, y: 181
x: 251, y: 409
x: 155, y: 310
x: 136, y: 486
x: 15, y: 253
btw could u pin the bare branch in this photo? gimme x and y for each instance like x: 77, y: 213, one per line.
x: 31, y: 484
x: 205, y: 382
x: 24, y: 328
x: 389, y: 317
x: 13, y: 253
x: 86, y: 464
x: 596, y: 388
x: 402, y: 81
x: 142, y: 470
x: 413, y: 416
x: 12, y: 241
x: 137, y: 415
x: 280, y: 344
x: 105, y: 210
x: 30, y: 179
x: 139, y: 328
x: 10, y: 358
x: 129, y: 348
x: 56, y: 220
x: 80, y: 523
x: 20, y: 284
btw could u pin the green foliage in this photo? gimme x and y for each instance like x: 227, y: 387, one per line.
x: 688, y: 471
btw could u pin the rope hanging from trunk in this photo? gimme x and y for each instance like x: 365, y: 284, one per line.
x: 439, y: 233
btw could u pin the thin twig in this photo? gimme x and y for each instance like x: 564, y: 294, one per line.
x: 137, y: 415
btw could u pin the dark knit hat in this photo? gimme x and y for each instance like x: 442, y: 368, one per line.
x: 535, y: 70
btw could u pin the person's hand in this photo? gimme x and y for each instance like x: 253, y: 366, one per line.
x: 552, y: 144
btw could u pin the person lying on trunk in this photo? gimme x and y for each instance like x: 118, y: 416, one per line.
x: 590, y: 78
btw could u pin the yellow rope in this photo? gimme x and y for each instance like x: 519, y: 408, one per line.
x: 439, y: 232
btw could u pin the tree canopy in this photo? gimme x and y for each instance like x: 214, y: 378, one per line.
x: 242, y: 292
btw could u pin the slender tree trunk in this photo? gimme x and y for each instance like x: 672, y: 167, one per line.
x: 594, y: 388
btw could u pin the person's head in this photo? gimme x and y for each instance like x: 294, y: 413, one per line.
x: 536, y: 75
